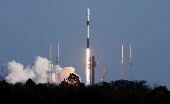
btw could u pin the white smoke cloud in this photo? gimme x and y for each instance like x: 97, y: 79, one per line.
x: 15, y: 72
x: 65, y: 73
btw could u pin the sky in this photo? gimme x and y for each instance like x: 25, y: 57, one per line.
x: 27, y: 27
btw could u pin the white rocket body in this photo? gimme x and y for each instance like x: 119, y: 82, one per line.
x: 88, y: 51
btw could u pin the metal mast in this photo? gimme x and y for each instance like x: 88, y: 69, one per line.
x: 51, y: 60
x: 49, y: 77
x: 57, y: 62
x: 57, y: 74
x: 122, y: 74
x: 130, y: 66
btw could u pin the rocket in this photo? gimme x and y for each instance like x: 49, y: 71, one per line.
x: 88, y: 51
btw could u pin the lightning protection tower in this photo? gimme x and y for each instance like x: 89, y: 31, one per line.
x: 57, y: 74
x: 50, y: 66
x: 130, y: 66
x: 122, y: 73
x: 57, y: 62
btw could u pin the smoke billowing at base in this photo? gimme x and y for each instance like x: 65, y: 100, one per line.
x: 39, y: 72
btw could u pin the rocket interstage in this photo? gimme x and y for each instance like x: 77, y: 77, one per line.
x: 88, y: 51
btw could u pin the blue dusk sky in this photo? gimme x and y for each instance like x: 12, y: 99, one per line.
x: 27, y: 27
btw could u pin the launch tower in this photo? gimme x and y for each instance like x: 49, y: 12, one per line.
x: 130, y: 66
x: 122, y: 73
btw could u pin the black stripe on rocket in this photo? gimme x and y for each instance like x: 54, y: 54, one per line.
x: 87, y: 22
x: 87, y: 42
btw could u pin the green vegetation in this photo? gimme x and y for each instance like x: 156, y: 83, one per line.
x: 72, y: 91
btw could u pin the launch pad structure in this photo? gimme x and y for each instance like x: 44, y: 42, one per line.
x: 50, y: 67
x: 93, y: 64
x: 57, y: 62
x: 57, y: 74
x: 49, y: 77
x: 122, y: 73
x: 103, y: 77
x: 130, y: 74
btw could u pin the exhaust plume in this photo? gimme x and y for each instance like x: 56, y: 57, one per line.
x: 15, y: 72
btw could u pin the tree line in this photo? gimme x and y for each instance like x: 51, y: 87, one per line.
x: 72, y: 91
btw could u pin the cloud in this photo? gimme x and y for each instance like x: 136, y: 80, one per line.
x: 39, y: 72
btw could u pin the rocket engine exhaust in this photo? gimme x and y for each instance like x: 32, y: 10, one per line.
x: 88, y: 51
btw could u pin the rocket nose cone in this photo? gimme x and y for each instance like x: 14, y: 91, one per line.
x: 88, y: 11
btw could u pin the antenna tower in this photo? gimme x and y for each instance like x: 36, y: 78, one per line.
x: 57, y: 62
x: 51, y: 62
x: 130, y: 65
x: 57, y: 74
x: 122, y: 73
